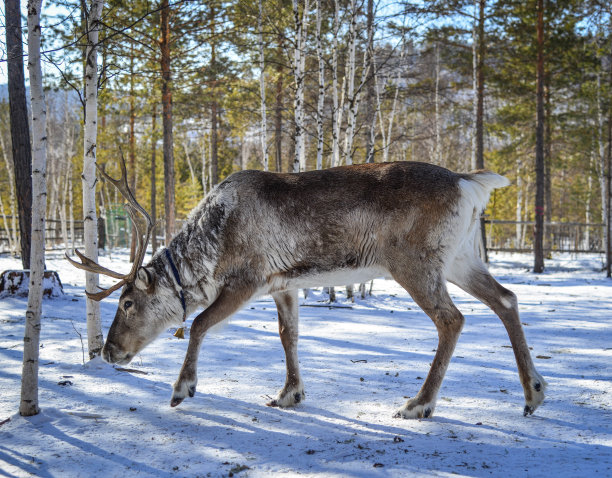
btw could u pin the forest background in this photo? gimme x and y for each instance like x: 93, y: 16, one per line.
x: 291, y: 86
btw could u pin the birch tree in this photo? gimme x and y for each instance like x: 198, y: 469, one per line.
x: 353, y: 94
x: 350, y: 80
x: 29, y: 377
x: 321, y: 91
x: 371, y: 85
x: 336, y: 107
x: 299, y: 73
x: 95, y: 339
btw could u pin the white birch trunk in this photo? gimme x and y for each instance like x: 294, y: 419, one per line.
x: 71, y: 210
x: 393, y: 108
x: 299, y: 66
x: 353, y: 93
x: 321, y: 94
x: 335, y: 160
x: 262, y: 91
x: 29, y: 377
x: 350, y: 79
x: 95, y: 339
x: 378, y: 88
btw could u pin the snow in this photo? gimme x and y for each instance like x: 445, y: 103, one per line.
x: 358, y: 362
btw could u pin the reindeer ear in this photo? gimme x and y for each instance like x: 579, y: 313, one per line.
x: 144, y: 279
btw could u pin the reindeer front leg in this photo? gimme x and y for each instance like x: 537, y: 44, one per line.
x: 229, y: 301
x: 287, y: 306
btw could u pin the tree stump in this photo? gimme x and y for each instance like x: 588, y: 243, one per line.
x: 16, y: 283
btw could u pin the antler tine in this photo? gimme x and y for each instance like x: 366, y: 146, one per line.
x: 142, y: 242
x: 87, y: 264
x: 98, y: 296
x: 122, y: 185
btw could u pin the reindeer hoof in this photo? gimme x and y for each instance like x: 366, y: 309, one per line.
x: 413, y: 409
x: 288, y: 398
x: 192, y: 391
x: 175, y: 401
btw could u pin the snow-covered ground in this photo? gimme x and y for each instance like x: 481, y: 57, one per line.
x: 358, y: 362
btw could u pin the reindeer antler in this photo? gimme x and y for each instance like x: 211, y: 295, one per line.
x: 132, y: 207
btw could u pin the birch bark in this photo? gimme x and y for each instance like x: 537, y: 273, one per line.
x: 321, y: 93
x: 299, y: 66
x: 350, y: 78
x: 95, y: 339
x: 335, y: 160
x: 29, y: 377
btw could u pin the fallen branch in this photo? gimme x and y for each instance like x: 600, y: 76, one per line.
x: 131, y: 370
x: 329, y: 306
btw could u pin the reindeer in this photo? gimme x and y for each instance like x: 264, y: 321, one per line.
x: 270, y: 233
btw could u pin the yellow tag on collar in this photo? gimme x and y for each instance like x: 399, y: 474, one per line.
x: 180, y: 333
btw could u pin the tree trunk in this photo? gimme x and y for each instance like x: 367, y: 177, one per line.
x: 370, y: 90
x: 321, y: 92
x: 12, y: 200
x: 299, y: 66
x: 519, y: 204
x: 153, y: 182
x: 538, y: 265
x: 437, y: 147
x: 475, y: 31
x: 547, y: 162
x: 214, y: 144
x: 608, y: 221
x: 278, y: 119
x: 29, y: 377
x: 95, y: 339
x: 6, y: 226
x: 20, y: 130
x: 480, y: 86
x: 335, y: 161
x: 132, y: 152
x: 214, y: 107
x: 387, y: 140
x: 350, y: 82
x: 603, y: 185
x: 168, y: 141
x: 262, y: 91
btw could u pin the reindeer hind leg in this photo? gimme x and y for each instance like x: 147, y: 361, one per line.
x: 470, y: 274
x: 287, y: 306
x: 429, y: 291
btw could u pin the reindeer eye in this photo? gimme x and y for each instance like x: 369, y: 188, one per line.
x: 127, y: 304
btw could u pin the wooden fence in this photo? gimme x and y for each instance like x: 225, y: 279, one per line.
x: 509, y: 236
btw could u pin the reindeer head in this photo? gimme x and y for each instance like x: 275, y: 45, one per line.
x: 148, y: 304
